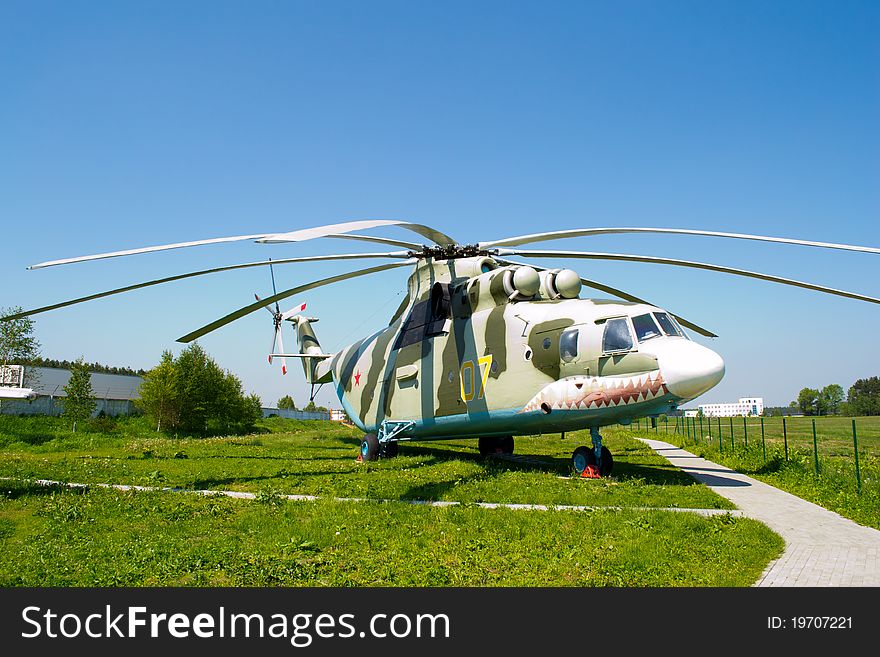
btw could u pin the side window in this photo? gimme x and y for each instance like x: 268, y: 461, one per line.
x: 568, y: 345
x: 617, y: 336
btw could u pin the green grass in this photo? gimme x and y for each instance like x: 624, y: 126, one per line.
x: 318, y: 458
x: 834, y: 487
x: 106, y: 538
x: 63, y: 537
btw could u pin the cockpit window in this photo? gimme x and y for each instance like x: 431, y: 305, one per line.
x: 617, y: 336
x: 568, y: 345
x: 666, y: 323
x: 645, y: 327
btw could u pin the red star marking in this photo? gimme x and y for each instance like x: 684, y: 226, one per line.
x: 357, y: 378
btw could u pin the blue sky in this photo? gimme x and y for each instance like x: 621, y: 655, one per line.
x: 131, y: 124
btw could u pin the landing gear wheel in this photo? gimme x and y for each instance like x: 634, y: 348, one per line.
x: 505, y: 443
x: 487, y: 446
x: 370, y: 447
x: 584, y: 456
x: 581, y: 458
x: 388, y: 450
x: 607, y: 462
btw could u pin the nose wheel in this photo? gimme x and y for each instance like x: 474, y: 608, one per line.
x: 371, y: 449
x: 596, y: 459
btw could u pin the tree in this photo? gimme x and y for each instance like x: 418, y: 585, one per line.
x: 18, y: 346
x: 79, y: 403
x: 93, y: 367
x: 864, y: 397
x: 286, y: 402
x: 830, y: 399
x: 251, y: 411
x: 807, y: 401
x: 158, y: 393
x: 193, y: 394
x: 198, y: 379
x: 311, y: 408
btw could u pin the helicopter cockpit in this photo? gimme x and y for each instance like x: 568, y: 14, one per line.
x: 622, y: 344
x: 688, y: 368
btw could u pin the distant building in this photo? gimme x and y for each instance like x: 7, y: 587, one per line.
x: 115, y: 393
x: 745, y: 406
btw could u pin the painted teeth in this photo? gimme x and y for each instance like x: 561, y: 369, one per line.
x: 571, y: 394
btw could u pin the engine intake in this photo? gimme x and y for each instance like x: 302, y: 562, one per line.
x: 561, y: 284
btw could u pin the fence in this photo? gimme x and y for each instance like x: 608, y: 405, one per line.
x: 823, y: 444
x: 55, y: 406
x: 296, y: 415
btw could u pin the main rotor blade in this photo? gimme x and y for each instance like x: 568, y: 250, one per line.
x: 330, y: 230
x: 246, y: 310
x: 696, y: 265
x: 262, y: 302
x: 585, y: 232
x: 146, y: 249
x: 412, y: 246
x: 338, y: 229
x: 630, y: 297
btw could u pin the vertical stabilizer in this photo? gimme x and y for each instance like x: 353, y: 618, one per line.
x: 308, y: 344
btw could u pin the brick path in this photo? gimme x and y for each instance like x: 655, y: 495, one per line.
x: 822, y: 548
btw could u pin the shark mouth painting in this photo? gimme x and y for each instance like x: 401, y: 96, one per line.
x: 588, y: 392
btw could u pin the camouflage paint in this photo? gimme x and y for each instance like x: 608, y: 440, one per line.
x: 421, y: 382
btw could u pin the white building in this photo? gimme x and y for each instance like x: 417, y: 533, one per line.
x: 745, y: 406
x: 115, y: 393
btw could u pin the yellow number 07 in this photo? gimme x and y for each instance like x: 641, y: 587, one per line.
x: 468, y: 380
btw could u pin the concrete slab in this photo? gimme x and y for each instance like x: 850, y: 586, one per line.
x: 822, y: 548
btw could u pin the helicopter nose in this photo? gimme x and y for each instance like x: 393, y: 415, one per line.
x: 689, y: 369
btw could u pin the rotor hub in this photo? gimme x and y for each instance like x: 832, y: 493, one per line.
x: 449, y: 252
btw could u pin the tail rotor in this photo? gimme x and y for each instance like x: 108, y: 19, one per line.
x: 278, y: 319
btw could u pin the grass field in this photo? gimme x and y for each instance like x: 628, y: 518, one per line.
x: 101, y: 537
x: 318, y: 458
x: 835, y: 486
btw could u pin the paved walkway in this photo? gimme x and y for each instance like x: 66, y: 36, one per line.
x: 822, y: 548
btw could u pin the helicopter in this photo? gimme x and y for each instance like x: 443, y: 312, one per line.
x: 487, y: 347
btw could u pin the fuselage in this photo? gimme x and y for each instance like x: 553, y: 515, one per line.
x: 470, y: 355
